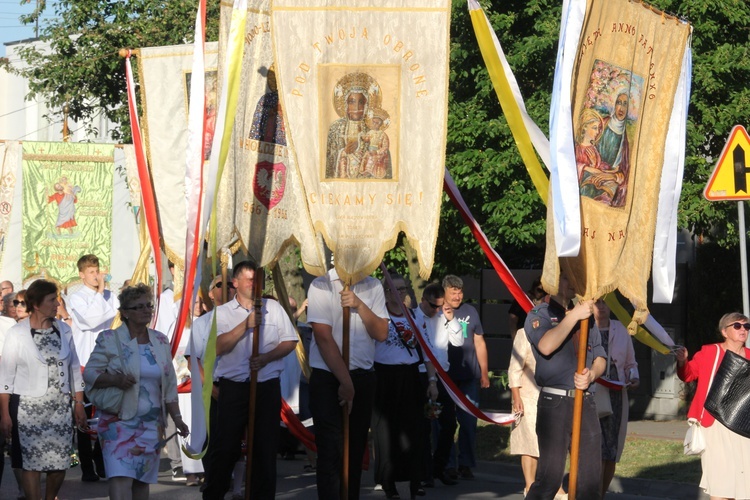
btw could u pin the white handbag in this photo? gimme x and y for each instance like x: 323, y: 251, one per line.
x: 695, y: 442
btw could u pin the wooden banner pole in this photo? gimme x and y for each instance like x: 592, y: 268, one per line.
x: 575, y: 443
x: 258, y: 304
x: 345, y: 408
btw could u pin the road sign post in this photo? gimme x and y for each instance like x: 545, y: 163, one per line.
x: 728, y: 181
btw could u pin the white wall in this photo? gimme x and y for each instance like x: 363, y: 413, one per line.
x: 24, y: 120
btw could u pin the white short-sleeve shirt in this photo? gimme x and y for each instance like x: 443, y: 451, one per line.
x: 324, y: 306
x: 275, y: 327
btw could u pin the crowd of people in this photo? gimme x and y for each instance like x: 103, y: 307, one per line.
x: 58, y: 355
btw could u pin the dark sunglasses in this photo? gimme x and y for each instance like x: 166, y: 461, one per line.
x: 737, y: 326
x: 19, y: 303
x: 434, y: 306
x: 140, y: 307
x: 221, y: 283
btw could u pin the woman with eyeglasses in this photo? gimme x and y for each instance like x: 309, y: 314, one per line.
x: 40, y: 365
x: 132, y: 440
x: 726, y: 458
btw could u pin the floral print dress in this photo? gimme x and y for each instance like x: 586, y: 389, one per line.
x: 45, y: 423
x: 129, y: 446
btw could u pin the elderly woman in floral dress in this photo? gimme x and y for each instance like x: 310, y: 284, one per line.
x: 131, y: 440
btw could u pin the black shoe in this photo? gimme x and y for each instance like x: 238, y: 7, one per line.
x: 391, y: 492
x: 452, y: 473
x: 446, y: 479
x: 428, y: 483
x: 89, y: 477
x: 417, y: 491
x: 465, y: 472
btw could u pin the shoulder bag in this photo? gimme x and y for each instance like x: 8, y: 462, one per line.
x: 695, y: 442
x: 109, y: 399
x: 728, y: 399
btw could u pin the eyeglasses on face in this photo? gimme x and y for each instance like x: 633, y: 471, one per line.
x: 221, y: 283
x: 434, y: 306
x: 140, y: 307
x: 737, y: 325
x: 19, y: 303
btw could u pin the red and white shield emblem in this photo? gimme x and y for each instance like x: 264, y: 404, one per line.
x: 269, y: 183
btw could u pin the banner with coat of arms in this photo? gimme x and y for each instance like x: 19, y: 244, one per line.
x: 67, y: 207
x: 260, y: 201
x: 364, y: 88
x: 619, y: 150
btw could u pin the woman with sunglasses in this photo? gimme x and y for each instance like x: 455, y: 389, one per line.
x: 132, y: 440
x: 726, y: 458
x: 22, y: 310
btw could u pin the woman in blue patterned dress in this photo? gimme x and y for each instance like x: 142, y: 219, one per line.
x: 130, y: 440
x: 38, y: 363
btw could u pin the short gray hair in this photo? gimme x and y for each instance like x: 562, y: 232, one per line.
x: 453, y: 281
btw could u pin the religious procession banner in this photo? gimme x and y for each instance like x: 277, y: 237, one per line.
x: 165, y: 74
x: 619, y: 154
x: 67, y: 208
x: 364, y: 88
x: 261, y: 202
x: 10, y: 158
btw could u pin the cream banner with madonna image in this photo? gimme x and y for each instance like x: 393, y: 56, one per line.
x: 364, y: 87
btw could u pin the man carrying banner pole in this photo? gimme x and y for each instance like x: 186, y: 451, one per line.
x: 558, y: 338
x: 333, y: 384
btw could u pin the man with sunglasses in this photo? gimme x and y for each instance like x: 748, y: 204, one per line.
x: 92, y: 308
x: 196, y: 347
x: 440, y: 332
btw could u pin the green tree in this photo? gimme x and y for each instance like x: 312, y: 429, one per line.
x: 83, y: 70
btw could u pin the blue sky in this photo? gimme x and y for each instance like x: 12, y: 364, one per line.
x: 11, y: 29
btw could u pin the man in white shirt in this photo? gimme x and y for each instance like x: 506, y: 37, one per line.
x: 235, y: 329
x: 441, y: 330
x: 333, y: 384
x: 93, y: 308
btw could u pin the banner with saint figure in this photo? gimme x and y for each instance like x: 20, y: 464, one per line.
x: 620, y: 150
x: 67, y: 207
x: 364, y: 88
x: 260, y: 203
x: 165, y: 75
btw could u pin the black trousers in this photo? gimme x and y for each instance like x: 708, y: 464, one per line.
x: 224, y: 447
x: 329, y: 438
x: 397, y: 418
x: 89, y: 455
x: 554, y: 425
x: 446, y: 434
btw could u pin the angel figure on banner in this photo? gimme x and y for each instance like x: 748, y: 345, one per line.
x: 377, y: 157
x: 354, y: 95
x: 66, y: 197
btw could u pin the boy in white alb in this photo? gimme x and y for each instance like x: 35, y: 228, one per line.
x: 92, y: 308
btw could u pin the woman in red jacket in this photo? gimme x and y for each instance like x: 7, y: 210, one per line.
x: 726, y: 459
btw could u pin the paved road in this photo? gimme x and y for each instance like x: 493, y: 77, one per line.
x: 493, y: 481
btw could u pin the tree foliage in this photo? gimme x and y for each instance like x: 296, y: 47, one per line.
x: 83, y: 69
x: 86, y: 72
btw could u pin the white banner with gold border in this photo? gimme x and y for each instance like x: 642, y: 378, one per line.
x: 364, y: 87
x: 260, y: 202
x: 165, y: 83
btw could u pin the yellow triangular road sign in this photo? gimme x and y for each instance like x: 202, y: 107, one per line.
x: 730, y: 179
